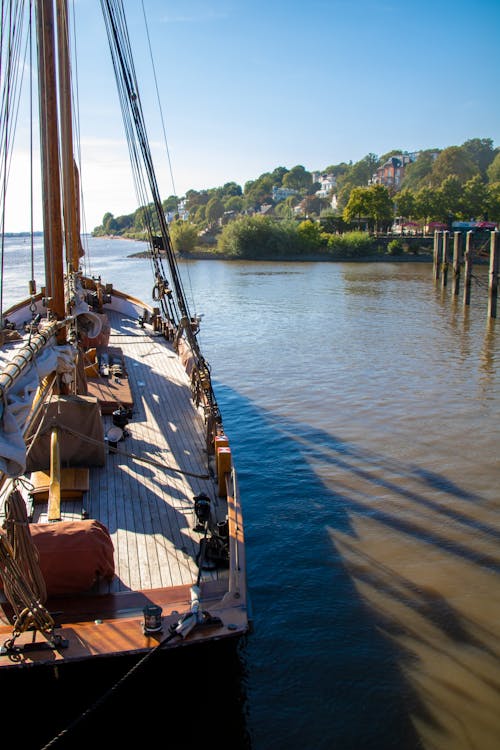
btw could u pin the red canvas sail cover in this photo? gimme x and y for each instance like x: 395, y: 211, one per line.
x: 73, y: 554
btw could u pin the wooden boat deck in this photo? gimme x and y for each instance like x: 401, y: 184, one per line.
x: 144, y: 494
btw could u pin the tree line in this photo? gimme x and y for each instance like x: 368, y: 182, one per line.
x: 457, y: 182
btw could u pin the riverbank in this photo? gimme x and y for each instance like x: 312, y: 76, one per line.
x: 379, y: 249
x: 308, y: 258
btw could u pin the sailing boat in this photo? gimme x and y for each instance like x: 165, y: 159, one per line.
x: 122, y: 528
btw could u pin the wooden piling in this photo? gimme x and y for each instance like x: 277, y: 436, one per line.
x: 493, y: 278
x: 457, y: 260
x: 437, y: 253
x: 467, y: 269
x: 444, y: 256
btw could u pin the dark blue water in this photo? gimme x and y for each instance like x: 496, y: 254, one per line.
x: 362, y: 405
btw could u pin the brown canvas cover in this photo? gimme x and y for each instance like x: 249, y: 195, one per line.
x: 81, y: 415
x: 73, y: 554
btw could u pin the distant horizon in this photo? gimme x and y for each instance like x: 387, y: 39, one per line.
x: 246, y: 88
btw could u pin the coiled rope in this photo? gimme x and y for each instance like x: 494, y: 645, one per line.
x: 23, y: 547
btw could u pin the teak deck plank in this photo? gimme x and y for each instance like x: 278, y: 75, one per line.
x: 148, y: 506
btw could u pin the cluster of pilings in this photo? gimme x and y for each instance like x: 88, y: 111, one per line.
x: 462, y: 257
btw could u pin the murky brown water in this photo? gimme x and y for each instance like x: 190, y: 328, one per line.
x: 390, y: 394
x: 363, y: 407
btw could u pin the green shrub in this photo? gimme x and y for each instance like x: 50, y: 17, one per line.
x: 351, y: 244
x: 184, y: 236
x: 395, y: 247
x: 261, y: 237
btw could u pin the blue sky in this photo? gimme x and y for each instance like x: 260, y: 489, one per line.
x: 249, y: 86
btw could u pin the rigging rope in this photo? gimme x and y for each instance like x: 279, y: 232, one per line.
x: 138, y: 143
x: 11, y: 76
x: 153, y: 67
x: 175, y: 309
x: 158, y: 99
x: 32, y: 222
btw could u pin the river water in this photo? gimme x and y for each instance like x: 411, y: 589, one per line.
x: 362, y: 405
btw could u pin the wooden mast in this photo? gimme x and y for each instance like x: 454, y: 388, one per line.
x: 49, y: 146
x: 69, y: 176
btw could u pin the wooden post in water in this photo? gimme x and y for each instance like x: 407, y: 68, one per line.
x: 457, y: 260
x: 493, y: 285
x: 437, y: 253
x: 467, y: 269
x: 444, y: 264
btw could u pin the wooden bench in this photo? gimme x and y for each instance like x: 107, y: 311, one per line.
x: 74, y: 482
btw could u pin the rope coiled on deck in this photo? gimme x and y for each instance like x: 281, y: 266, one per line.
x: 23, y: 547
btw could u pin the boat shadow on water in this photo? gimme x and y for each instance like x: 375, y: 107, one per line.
x: 368, y: 579
x: 371, y: 582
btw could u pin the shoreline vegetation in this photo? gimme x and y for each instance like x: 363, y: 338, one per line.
x: 424, y: 257
x: 261, y: 238
x: 314, y: 247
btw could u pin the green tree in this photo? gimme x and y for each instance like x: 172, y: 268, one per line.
x: 494, y: 201
x: 109, y: 223
x: 380, y: 205
x: 234, y: 203
x: 198, y: 214
x: 450, y: 198
x: 363, y: 170
x: 285, y: 209
x: 277, y: 174
x: 452, y: 161
x: 481, y: 152
x: 298, y: 178
x: 144, y: 217
x: 358, y: 174
x: 475, y: 198
x: 259, y: 191
x: 337, y: 170
x: 358, y: 205
x: 184, y: 236
x: 231, y: 189
x: 494, y: 169
x: 405, y: 203
x: 343, y: 195
x: 374, y: 203
x: 311, y: 234
x: 196, y: 198
x: 171, y: 204
x: 312, y: 205
x: 215, y: 210
x: 418, y: 172
x: 427, y: 205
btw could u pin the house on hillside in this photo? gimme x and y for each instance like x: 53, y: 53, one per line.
x: 327, y: 183
x: 391, y: 173
x: 281, y: 193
